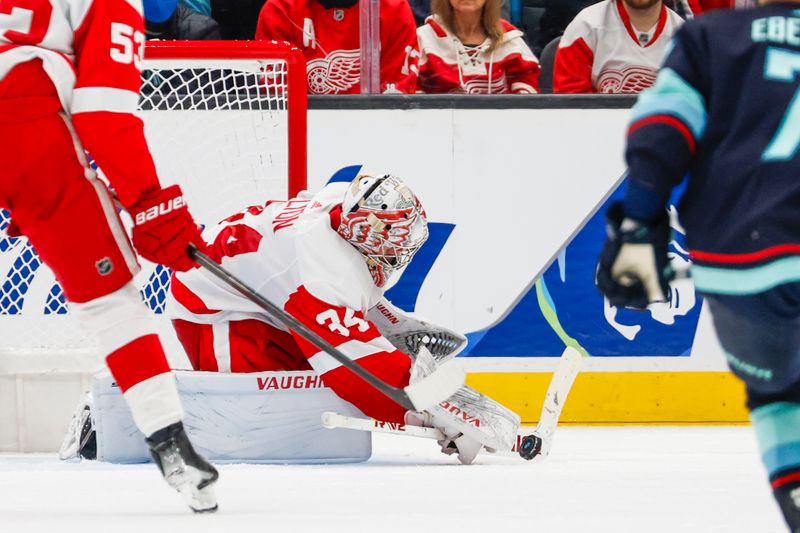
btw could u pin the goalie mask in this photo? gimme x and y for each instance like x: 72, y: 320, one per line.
x: 384, y: 221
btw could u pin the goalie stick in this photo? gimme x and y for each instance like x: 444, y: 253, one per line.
x: 425, y: 393
x: 333, y: 420
x: 541, y: 439
x: 532, y: 441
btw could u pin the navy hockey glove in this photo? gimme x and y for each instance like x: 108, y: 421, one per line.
x: 634, y: 269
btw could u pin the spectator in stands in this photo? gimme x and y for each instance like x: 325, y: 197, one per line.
x: 465, y: 47
x: 201, y: 6
x: 615, y: 46
x: 557, y: 15
x: 237, y: 18
x: 699, y: 7
x: 168, y: 20
x: 421, y: 10
x: 692, y: 8
x: 328, y: 33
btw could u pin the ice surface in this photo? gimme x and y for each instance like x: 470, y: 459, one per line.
x: 597, y: 479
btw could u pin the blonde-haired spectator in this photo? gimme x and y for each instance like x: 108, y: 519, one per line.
x: 466, y: 47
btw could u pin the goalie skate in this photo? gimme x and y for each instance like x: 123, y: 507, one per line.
x: 183, y: 468
x: 80, y: 440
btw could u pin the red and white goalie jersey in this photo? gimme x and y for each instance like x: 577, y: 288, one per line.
x: 290, y: 252
x: 82, y: 57
x: 330, y: 41
x: 601, y: 51
x: 447, y: 66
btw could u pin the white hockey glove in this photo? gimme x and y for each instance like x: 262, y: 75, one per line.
x: 634, y: 269
x: 409, y: 333
x: 469, y: 419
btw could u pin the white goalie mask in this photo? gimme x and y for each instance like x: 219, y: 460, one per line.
x: 384, y: 221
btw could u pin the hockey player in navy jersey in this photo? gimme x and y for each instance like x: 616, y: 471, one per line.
x: 725, y: 109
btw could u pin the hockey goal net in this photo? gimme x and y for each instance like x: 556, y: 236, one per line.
x: 226, y: 120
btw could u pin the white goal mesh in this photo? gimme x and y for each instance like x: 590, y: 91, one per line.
x: 224, y: 120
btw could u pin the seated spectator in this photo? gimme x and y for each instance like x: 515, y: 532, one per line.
x: 557, y: 15
x: 328, y: 33
x: 465, y: 47
x: 201, y: 6
x: 421, y: 10
x: 615, y: 46
x: 699, y: 7
x: 237, y: 18
x: 168, y: 20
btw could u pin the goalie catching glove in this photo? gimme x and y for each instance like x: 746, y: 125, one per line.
x: 634, y: 268
x: 163, y: 229
x: 468, y: 419
x: 409, y: 333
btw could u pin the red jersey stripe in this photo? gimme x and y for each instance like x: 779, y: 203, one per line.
x: 668, y: 120
x: 752, y: 257
x: 783, y: 480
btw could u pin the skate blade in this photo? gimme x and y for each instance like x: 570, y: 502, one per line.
x: 201, y: 501
x: 186, y: 482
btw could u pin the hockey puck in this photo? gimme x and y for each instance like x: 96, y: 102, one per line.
x: 530, y: 447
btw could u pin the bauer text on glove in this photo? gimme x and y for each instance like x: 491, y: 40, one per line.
x: 163, y: 228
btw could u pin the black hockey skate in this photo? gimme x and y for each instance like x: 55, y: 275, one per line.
x: 788, y: 496
x: 183, y: 468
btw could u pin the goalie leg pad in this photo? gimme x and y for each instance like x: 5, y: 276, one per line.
x: 468, y: 418
x: 478, y: 417
x: 260, y: 417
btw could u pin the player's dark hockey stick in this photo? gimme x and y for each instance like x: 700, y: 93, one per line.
x: 439, y: 385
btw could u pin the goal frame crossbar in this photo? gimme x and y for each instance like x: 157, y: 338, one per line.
x: 296, y: 98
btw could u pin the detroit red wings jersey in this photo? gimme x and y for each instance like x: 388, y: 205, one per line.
x: 447, y: 66
x: 330, y: 41
x: 290, y: 253
x: 601, y: 51
x: 704, y: 6
x: 82, y: 57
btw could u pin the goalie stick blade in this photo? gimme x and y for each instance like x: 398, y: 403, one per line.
x: 533, y: 443
x: 436, y: 387
x: 333, y: 420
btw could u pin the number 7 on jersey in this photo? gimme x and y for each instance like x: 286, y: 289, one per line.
x: 784, y: 65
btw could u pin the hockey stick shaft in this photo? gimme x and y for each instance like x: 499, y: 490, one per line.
x: 415, y: 397
x: 554, y: 399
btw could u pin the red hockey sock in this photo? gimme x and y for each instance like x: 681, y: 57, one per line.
x: 137, y: 361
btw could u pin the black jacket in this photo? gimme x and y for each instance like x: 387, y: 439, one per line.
x: 185, y: 24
